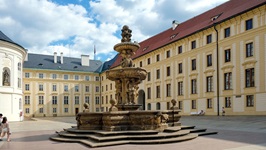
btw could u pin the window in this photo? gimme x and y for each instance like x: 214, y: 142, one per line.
x: 227, y: 55
x: 209, y: 103
x: 76, y: 100
x: 209, y: 39
x: 54, y: 100
x: 41, y: 100
x: 158, y: 74
x: 87, y: 88
x: 65, y: 77
x: 54, y: 110
x: 227, y: 102
x: 180, y: 68
x: 180, y: 88
x: 97, y: 89
x: 226, y: 32
x: 41, y: 110
x: 106, y: 99
x: 27, y: 75
x: 54, y: 76
x: 66, y: 88
x: 168, y: 90
x: 140, y: 64
x: 168, y: 54
x: 87, y: 99
x: 228, y: 81
x: 193, y: 44
x: 19, y: 66
x: 148, y: 61
x: 149, y: 93
x: 97, y: 100
x: 249, y: 24
x: 27, y: 87
x: 249, y: 49
x: 158, y: 106
x: 193, y: 86
x: 76, y: 77
x: 193, y: 64
x: 157, y: 57
x: 54, y: 87
x: 180, y: 104
x: 40, y: 87
x: 76, y: 88
x: 102, y: 88
x: 209, y: 84
x: 19, y: 82
x: 41, y: 75
x: 97, y: 78
x: 87, y: 78
x: 168, y: 71
x: 65, y: 100
x: 180, y: 49
x: 106, y: 87
x: 149, y: 106
x: 27, y: 110
x: 66, y: 110
x: 250, y: 82
x: 250, y: 100
x: 27, y: 100
x: 158, y: 91
x: 111, y: 86
x: 149, y: 76
x: 193, y: 104
x: 209, y: 60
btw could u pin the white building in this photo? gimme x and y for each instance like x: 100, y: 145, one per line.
x: 12, y: 56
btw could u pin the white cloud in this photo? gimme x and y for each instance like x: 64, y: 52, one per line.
x: 44, y: 26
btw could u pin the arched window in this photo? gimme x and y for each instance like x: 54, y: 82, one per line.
x: 6, y: 76
x: 158, y: 106
x: 149, y: 106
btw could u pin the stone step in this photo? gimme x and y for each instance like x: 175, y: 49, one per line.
x: 197, y: 130
x: 187, y: 127
x: 110, y: 133
x: 92, y: 143
x: 172, y: 129
x: 207, y: 133
x: 98, y: 137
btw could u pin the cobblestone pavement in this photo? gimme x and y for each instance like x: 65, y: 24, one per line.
x: 234, y: 133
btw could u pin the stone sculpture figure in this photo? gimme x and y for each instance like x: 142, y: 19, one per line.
x: 6, y: 78
x: 118, y: 86
x: 126, y: 34
x: 86, y: 106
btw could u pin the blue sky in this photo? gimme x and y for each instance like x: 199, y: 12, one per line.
x: 74, y: 27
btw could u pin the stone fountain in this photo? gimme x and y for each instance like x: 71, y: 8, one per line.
x: 124, y: 122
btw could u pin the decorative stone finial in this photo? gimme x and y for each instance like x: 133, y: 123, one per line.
x: 126, y: 34
x: 113, y: 108
x: 173, y: 101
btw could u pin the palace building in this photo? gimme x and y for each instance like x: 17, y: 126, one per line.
x: 211, y: 61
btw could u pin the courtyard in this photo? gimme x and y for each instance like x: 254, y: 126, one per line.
x: 234, y: 133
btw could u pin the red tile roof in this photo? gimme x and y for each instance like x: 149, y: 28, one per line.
x: 226, y: 11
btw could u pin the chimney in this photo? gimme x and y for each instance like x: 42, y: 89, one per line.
x: 55, y: 57
x: 26, y: 56
x: 174, y: 24
x: 85, y: 60
x: 62, y: 58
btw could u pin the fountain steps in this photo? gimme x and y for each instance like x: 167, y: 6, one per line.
x: 99, y: 138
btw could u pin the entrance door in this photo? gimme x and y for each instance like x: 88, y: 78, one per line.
x: 77, y: 110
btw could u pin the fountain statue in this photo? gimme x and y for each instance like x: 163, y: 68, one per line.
x: 128, y: 77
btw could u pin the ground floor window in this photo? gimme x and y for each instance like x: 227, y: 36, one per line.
x: 158, y: 106
x: 250, y: 100
x: 27, y: 110
x: 193, y: 104
x: 66, y: 110
x: 149, y: 106
x: 209, y: 103
x: 227, y: 102
x: 180, y: 104
x: 54, y: 110
x: 41, y: 110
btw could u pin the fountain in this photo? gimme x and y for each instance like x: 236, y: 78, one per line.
x: 124, y: 122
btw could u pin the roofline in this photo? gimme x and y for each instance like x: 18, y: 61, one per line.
x: 59, y: 70
x: 214, y: 24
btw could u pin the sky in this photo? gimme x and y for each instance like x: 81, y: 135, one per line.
x: 77, y: 27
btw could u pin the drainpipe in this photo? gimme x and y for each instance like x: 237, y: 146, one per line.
x: 217, y: 65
